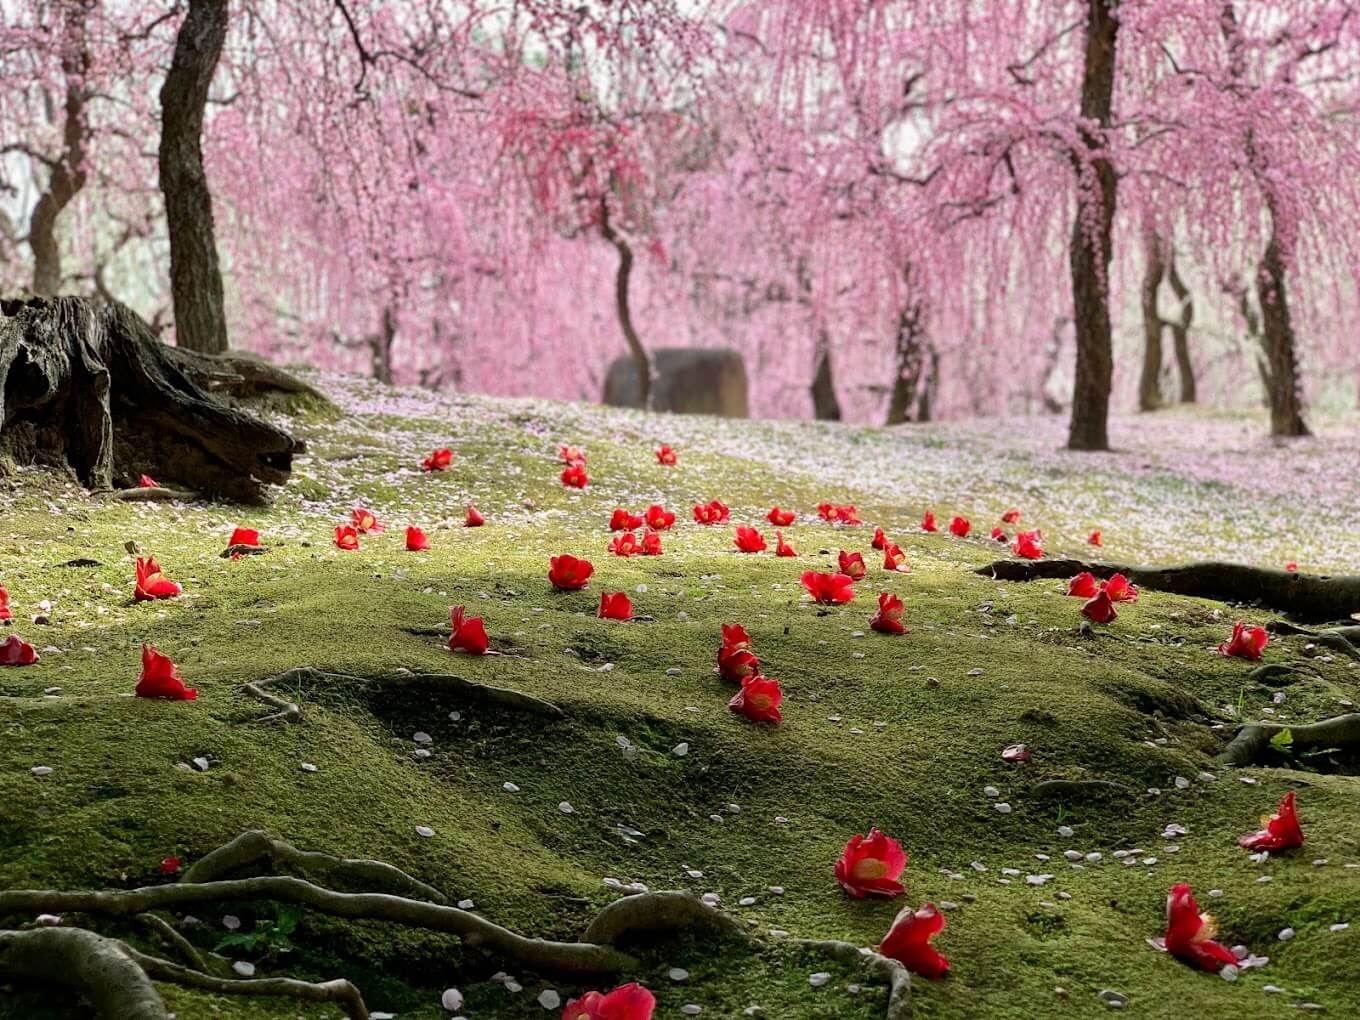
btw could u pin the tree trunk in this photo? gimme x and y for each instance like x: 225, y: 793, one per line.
x: 67, y: 175
x: 195, y: 277
x: 1180, y: 330
x: 382, y: 347
x: 1277, y: 336
x: 1150, y: 381
x: 1092, y: 236
x: 622, y: 278
x: 825, y: 404
x: 910, y: 381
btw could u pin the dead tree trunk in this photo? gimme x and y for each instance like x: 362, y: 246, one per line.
x: 1150, y: 381
x: 1092, y: 236
x: 87, y: 385
x: 195, y: 277
x: 622, y: 279
x: 1277, y: 336
x: 1180, y: 330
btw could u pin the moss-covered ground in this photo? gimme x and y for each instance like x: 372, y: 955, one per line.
x: 900, y: 733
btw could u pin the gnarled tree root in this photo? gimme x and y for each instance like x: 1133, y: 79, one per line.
x: 658, y: 912
x: 96, y: 967
x: 254, y: 847
x: 167, y: 934
x: 883, y: 968
x: 1305, y: 596
x: 155, y: 494
x: 1251, y: 742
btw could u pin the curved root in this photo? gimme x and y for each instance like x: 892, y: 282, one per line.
x: 287, y: 711
x: 157, y: 494
x: 253, y: 847
x: 172, y: 938
x: 501, y: 696
x: 1251, y: 742
x: 1306, y: 596
x: 648, y: 913
x: 889, y: 971
x: 568, y: 958
x: 1276, y: 674
x: 96, y: 967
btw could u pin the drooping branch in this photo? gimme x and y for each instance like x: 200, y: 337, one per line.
x: 96, y: 967
x: 1306, y: 596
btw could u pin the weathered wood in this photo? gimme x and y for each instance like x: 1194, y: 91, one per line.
x: 88, y: 385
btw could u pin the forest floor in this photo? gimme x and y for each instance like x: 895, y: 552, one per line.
x: 902, y: 733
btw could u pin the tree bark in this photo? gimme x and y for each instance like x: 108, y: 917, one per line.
x: 382, y: 347
x: 1180, y: 330
x: 195, y: 276
x: 1150, y: 381
x: 622, y: 278
x: 1092, y: 232
x: 1277, y: 336
x: 826, y: 406
x: 917, y: 370
x: 67, y: 174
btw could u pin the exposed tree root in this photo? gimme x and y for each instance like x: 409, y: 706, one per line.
x: 172, y: 938
x: 1253, y: 741
x: 96, y: 967
x: 1076, y: 788
x: 240, y: 374
x: 1351, y: 632
x: 254, y: 847
x: 1305, y: 596
x: 656, y: 912
x: 1276, y: 674
x: 889, y: 971
x: 286, y: 711
x: 156, y: 494
x: 243, y: 550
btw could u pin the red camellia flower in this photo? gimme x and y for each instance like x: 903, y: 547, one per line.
x: 651, y: 544
x: 615, y: 605
x: 758, y: 699
x: 880, y: 540
x: 736, y: 664
x: 749, y: 540
x: 474, y: 518
x: 1015, y: 753
x: 469, y: 632
x: 15, y: 651
x: 1083, y: 586
x: 1280, y: 831
x: 870, y: 866
x: 574, y: 476
x: 782, y: 548
x: 780, y: 518
x: 1094, y: 538
x: 244, y: 536
x: 151, y: 583
x: 960, y: 526
x: 999, y: 536
x: 824, y: 511
x: 928, y: 522
x: 160, y: 679
x: 5, y: 614
x: 1010, y: 516
x: 828, y: 589
x: 659, y: 518
x: 571, y: 454
x: 908, y: 942
x: 438, y: 461
x: 714, y: 512
x: 838, y: 514
x: 147, y: 482
x: 734, y: 636
x: 625, y: 545
x: 1190, y: 934
x: 895, y: 559
x: 888, y: 619
x: 416, y: 540
x: 852, y: 565
x: 1028, y: 544
x: 567, y: 573
x: 170, y: 865
x: 346, y: 537
x: 364, y: 521
x: 1246, y: 642
x: 1292, y: 567
x: 629, y: 1002
x: 1119, y: 589
x: 665, y: 456
x: 624, y: 521
x: 1099, y: 608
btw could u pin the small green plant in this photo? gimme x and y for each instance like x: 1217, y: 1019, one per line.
x: 1283, y: 741
x: 270, y: 938
x: 1062, y: 812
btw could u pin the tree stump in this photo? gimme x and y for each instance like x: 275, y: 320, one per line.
x: 87, y: 385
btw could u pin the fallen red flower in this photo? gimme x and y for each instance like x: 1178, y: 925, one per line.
x: 15, y: 651
x: 615, y: 605
x: 1246, y: 642
x: 416, y: 540
x: 1015, y: 753
x: 571, y: 454
x: 895, y: 559
x: 151, y: 583
x: 147, y: 482
x: 474, y: 518
x: 908, y: 942
x: 1083, y: 586
x: 736, y: 664
x: 870, y: 865
x: 960, y: 526
x: 713, y: 512
x: 567, y: 573
x: 5, y: 614
x: 574, y: 476
x: 469, y: 632
x: 1028, y: 544
x: 749, y: 540
x: 928, y: 522
x: 1292, y: 567
x: 758, y: 699
x: 888, y: 619
x: 999, y: 536
x: 346, y: 537
x: 734, y: 636
x: 244, y: 536
x: 782, y: 548
x: 1189, y: 934
x: 437, y: 461
x: 170, y: 865
x: 1119, y: 589
x: 880, y: 540
x: 666, y: 456
x: 1280, y: 831
x: 852, y: 565
x: 651, y: 544
x: 828, y: 589
x: 780, y: 518
x: 160, y: 679
x: 659, y: 518
x: 625, y: 545
x: 1099, y: 608
x: 1010, y: 516
x: 628, y: 1002
x: 838, y: 514
x: 364, y: 521
x: 1094, y: 538
x: 624, y: 521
